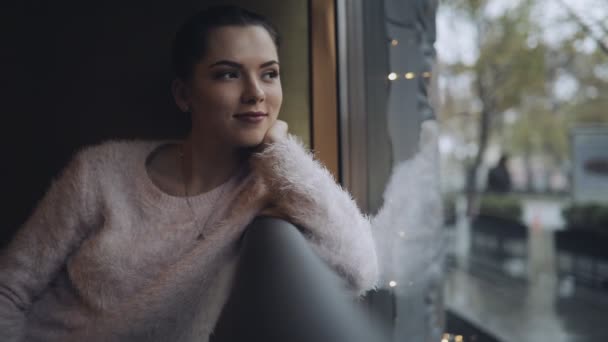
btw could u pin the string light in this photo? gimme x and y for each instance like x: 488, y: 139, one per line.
x: 456, y: 338
x: 394, y: 42
x: 392, y: 283
x: 408, y: 75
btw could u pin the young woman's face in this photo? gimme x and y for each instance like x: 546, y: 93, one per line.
x: 235, y: 94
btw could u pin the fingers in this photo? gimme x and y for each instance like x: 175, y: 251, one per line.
x: 277, y: 131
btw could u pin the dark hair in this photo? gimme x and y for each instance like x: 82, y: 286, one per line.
x: 503, y: 158
x: 190, y: 42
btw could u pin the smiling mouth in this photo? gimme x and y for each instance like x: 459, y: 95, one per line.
x: 250, y: 117
x: 253, y: 114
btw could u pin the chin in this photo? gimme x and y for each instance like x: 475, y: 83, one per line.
x: 249, y: 141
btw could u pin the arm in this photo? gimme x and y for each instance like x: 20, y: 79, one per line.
x: 306, y: 194
x: 41, y: 246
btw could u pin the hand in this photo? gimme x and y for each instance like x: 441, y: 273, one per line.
x: 271, y: 212
x: 276, y: 132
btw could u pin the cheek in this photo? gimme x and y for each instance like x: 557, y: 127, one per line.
x: 217, y: 98
x: 275, y: 99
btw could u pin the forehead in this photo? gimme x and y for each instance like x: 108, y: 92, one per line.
x: 240, y: 44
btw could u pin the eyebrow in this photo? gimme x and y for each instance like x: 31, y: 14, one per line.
x: 239, y: 65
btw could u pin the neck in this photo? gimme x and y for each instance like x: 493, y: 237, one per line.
x: 207, y: 164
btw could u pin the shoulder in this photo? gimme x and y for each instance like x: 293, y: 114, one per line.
x: 112, y: 149
x: 109, y: 158
x: 113, y: 152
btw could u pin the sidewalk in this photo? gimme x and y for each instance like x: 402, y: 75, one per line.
x: 533, y: 307
x: 517, y: 311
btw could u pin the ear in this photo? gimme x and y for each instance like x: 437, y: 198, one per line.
x: 180, y: 91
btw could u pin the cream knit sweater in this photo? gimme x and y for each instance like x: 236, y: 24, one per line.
x: 107, y: 256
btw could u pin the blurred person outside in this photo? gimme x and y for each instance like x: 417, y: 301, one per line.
x: 499, y: 178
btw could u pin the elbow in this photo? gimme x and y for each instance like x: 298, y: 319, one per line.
x: 368, y: 268
x: 363, y: 271
x: 366, y: 275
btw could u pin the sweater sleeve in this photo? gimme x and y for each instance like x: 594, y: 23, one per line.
x: 41, y: 246
x: 307, y: 194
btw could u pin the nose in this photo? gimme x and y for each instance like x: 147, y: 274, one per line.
x: 253, y: 92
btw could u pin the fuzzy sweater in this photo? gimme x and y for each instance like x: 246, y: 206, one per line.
x: 108, y: 256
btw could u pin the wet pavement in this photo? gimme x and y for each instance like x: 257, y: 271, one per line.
x: 528, y: 302
x: 513, y: 310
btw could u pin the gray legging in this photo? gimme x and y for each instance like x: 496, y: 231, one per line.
x: 284, y: 292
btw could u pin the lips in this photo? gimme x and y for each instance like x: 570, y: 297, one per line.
x: 250, y: 117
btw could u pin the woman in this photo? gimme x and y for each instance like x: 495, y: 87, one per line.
x: 138, y: 240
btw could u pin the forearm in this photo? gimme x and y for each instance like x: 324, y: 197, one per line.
x: 308, y: 196
x: 61, y: 220
x: 12, y: 316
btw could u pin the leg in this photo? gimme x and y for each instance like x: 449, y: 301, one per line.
x: 284, y: 292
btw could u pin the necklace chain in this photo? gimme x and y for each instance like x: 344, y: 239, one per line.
x: 201, y: 236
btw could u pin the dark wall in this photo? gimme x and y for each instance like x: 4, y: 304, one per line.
x: 75, y: 73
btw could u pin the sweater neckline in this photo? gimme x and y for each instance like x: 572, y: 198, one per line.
x: 164, y: 199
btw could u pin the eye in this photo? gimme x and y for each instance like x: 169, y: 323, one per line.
x: 226, y: 75
x: 270, y: 74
